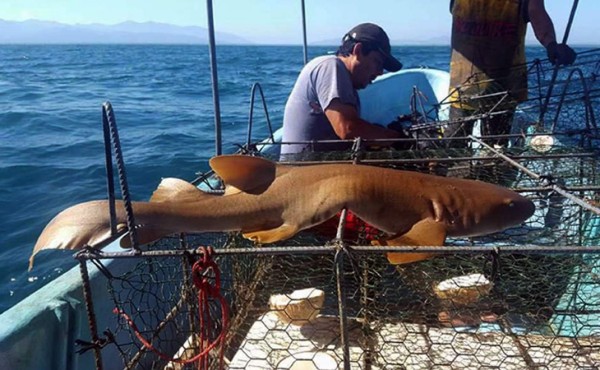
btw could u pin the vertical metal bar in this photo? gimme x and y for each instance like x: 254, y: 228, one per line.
x: 570, y: 22
x: 339, y: 272
x: 556, y: 67
x: 87, y: 296
x: 256, y: 86
x: 366, y: 317
x: 304, y: 33
x: 213, y: 71
x: 116, y: 144
x: 339, y: 234
x: 110, y: 179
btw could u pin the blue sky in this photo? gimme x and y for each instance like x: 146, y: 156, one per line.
x: 279, y: 21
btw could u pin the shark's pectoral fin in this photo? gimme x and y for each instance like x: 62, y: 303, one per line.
x: 282, y: 232
x: 427, y: 232
x: 242, y: 173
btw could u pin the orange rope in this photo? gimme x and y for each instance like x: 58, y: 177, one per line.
x: 205, y: 292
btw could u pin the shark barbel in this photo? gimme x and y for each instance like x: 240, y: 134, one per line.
x: 268, y: 202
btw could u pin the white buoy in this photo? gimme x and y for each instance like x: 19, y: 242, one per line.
x: 299, y: 307
x: 542, y: 143
x: 463, y: 290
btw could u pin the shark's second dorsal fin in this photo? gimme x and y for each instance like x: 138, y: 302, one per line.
x: 244, y: 173
x: 172, y: 189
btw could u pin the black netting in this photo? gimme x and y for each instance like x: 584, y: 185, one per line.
x: 528, y: 297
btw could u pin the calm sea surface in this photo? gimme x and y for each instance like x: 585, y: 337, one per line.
x: 51, y: 145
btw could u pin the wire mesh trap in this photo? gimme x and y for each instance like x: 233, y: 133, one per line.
x: 528, y: 297
x: 523, y: 298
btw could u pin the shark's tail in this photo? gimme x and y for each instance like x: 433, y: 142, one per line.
x: 80, y: 225
x: 89, y: 223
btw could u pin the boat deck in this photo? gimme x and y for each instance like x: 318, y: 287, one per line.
x: 273, y: 344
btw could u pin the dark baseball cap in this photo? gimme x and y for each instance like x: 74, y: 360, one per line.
x: 375, y: 35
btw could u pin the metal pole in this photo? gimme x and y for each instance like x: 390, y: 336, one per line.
x: 213, y: 70
x: 304, y: 33
x: 341, y: 291
x: 110, y: 179
x: 556, y: 67
x: 91, y: 315
x: 570, y: 23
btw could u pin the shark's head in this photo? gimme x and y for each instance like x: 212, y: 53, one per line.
x: 501, y: 210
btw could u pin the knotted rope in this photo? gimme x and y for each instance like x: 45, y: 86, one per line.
x: 206, y: 292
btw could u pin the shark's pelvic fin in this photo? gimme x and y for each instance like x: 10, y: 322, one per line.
x: 144, y: 235
x: 425, y: 233
x: 282, y: 232
x: 172, y: 189
x: 242, y: 173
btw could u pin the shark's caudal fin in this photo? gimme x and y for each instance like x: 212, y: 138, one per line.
x: 89, y: 223
x: 82, y: 224
x: 424, y: 233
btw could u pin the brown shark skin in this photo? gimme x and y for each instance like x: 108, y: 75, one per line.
x: 300, y: 197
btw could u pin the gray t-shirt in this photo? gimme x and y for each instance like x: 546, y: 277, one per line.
x: 323, y: 79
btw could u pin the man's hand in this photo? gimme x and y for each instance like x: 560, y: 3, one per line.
x: 560, y: 54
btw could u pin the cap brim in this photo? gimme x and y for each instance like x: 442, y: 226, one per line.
x: 391, y: 64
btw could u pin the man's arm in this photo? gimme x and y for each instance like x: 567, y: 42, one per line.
x: 560, y: 54
x: 347, y: 124
x: 541, y: 23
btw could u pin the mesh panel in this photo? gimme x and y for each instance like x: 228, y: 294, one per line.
x: 528, y: 297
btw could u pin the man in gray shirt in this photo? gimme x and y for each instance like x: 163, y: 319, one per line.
x: 324, y: 104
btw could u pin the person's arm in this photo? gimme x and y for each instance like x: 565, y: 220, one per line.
x: 541, y: 23
x: 543, y: 28
x: 347, y: 124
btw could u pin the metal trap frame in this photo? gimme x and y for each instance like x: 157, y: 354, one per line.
x: 538, y: 304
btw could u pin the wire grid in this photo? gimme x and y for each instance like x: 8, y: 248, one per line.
x: 542, y: 309
x: 539, y: 310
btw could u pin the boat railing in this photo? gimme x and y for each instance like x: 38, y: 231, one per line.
x: 257, y: 87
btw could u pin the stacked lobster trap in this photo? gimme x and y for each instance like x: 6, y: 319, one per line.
x: 528, y: 297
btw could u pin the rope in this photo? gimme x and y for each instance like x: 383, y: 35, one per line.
x: 206, y: 292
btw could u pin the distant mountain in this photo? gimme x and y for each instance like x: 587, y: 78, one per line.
x: 45, y: 32
x: 440, y: 40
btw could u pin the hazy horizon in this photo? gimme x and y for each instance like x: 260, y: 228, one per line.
x: 275, y: 22
x: 152, y: 32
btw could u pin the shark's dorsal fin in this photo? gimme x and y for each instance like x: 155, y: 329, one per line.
x: 424, y: 233
x: 242, y: 173
x: 172, y: 189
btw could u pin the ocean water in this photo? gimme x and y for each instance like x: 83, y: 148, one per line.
x: 51, y: 141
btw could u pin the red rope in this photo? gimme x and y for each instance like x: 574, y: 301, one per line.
x: 205, y: 292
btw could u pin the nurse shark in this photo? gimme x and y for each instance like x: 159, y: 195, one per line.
x: 268, y: 202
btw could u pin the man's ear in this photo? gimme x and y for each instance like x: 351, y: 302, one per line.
x: 357, y: 49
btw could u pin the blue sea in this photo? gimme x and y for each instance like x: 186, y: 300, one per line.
x: 51, y: 141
